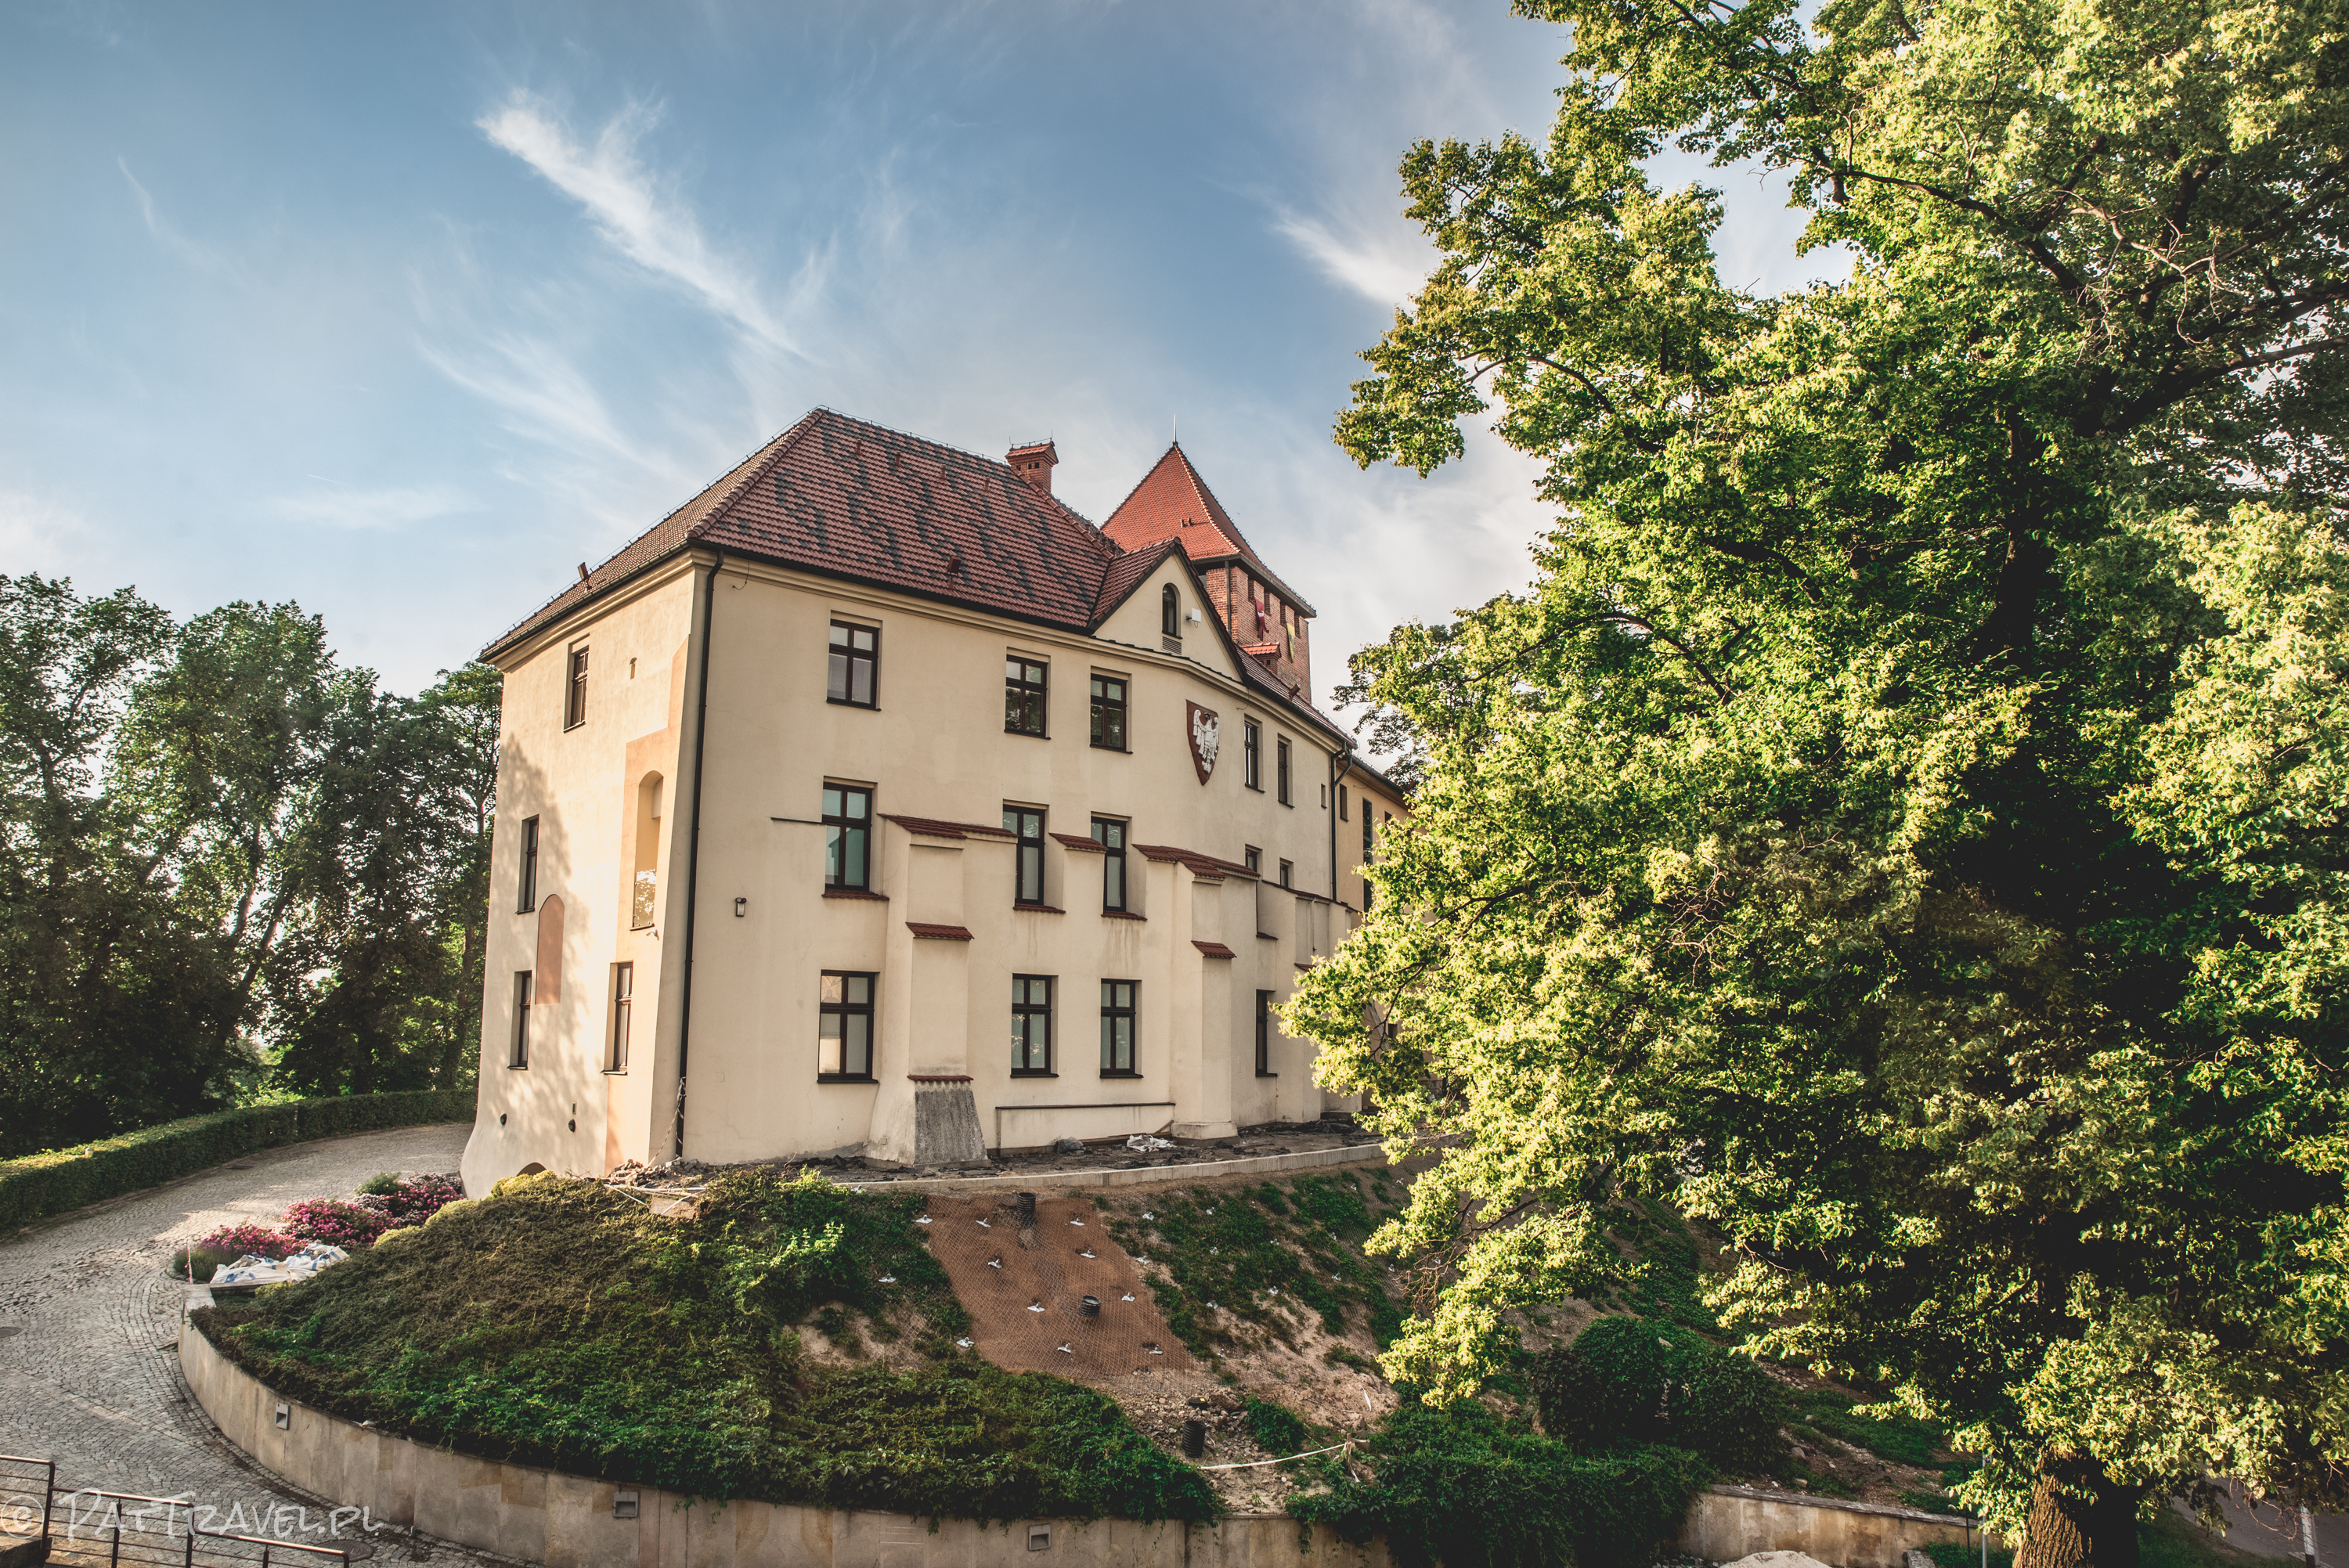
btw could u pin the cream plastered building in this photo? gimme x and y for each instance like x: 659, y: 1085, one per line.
x: 874, y: 802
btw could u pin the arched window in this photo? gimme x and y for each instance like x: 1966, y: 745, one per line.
x: 1170, y: 611
x: 643, y: 896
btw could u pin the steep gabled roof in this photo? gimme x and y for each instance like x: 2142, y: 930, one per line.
x: 1173, y: 501
x: 860, y: 501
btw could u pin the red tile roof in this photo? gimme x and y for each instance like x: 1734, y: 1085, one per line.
x: 931, y: 827
x: 924, y: 930
x: 1200, y: 865
x: 849, y: 498
x: 1213, y: 949
x: 860, y: 500
x: 1174, y: 503
x: 1079, y: 842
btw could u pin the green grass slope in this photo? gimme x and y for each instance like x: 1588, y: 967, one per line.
x: 557, y: 1322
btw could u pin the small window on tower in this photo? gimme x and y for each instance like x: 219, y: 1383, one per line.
x: 1170, y: 611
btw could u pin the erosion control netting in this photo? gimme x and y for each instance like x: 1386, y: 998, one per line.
x: 1018, y: 1264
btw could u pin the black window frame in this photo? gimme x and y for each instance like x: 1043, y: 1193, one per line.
x: 1342, y: 805
x: 1025, y: 699
x: 849, y: 655
x: 845, y: 1009
x: 1117, y: 706
x: 624, y: 1015
x: 1281, y: 771
x: 1025, y: 1010
x: 841, y: 827
x: 1264, y: 1001
x: 1287, y: 871
x: 574, y: 687
x: 1027, y: 854
x: 1252, y: 858
x: 1129, y: 1012
x: 1170, y: 613
x: 526, y: 881
x: 1116, y: 890
x: 1252, y: 754
x: 518, y: 1046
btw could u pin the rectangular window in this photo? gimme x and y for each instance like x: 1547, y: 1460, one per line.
x: 1110, y: 836
x: 575, y: 697
x: 1109, y: 713
x: 1264, y: 1034
x: 519, y: 1055
x: 847, y: 837
x: 1117, y: 1029
x: 856, y: 662
x: 843, y: 1043
x: 1252, y: 858
x: 1028, y: 855
x: 1023, y: 697
x: 1342, y: 805
x: 1280, y: 773
x: 1251, y: 754
x: 623, y: 1008
x: 1031, y: 1024
x: 526, y: 889
x: 1285, y: 869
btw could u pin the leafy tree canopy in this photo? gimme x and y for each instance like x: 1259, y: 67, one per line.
x: 226, y: 863
x: 1904, y: 821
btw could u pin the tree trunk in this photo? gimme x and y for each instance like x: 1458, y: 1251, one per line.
x: 2079, y: 1517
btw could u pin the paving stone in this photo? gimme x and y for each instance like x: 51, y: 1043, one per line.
x: 92, y: 1378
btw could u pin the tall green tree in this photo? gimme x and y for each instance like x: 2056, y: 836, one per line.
x: 1905, y: 820
x: 227, y: 862
x: 111, y: 1007
x: 377, y: 983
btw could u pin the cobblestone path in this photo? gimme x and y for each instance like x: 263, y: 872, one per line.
x: 89, y: 1323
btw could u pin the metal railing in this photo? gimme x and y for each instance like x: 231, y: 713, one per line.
x: 89, y: 1525
x: 26, y: 1488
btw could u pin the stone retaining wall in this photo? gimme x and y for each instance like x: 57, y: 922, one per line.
x: 1205, y: 1169
x: 1731, y: 1521
x: 570, y: 1521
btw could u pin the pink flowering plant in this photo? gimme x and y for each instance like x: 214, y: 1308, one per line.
x: 414, y: 1200
x: 234, y: 1241
x: 336, y: 1221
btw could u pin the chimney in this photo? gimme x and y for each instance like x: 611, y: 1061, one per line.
x: 1033, y: 462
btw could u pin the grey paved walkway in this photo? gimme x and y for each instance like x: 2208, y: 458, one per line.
x: 89, y: 1323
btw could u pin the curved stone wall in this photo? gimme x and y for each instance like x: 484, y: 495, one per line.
x: 570, y: 1521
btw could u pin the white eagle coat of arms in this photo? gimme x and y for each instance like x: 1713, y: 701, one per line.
x: 1206, y: 736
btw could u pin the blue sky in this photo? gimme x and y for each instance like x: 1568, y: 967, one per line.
x: 399, y: 311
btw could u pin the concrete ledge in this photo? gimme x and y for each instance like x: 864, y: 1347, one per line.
x: 572, y: 1521
x: 1727, y: 1523
x: 1258, y: 1165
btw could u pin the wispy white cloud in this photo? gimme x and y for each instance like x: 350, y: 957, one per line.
x: 648, y: 225
x: 198, y: 255
x: 342, y: 506
x: 1384, y: 267
x: 541, y: 392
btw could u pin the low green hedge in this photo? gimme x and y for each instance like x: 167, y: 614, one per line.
x: 39, y: 1185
